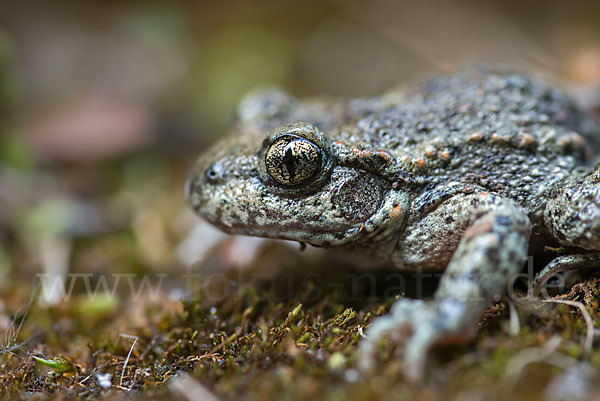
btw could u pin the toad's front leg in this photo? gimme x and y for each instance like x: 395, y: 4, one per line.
x: 493, y: 239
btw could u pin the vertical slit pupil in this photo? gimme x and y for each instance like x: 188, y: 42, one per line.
x: 289, y: 161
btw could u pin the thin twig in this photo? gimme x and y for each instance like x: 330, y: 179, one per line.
x: 361, y: 332
x: 589, y: 337
x: 135, y: 340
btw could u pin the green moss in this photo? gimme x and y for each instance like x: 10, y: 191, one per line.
x: 258, y: 344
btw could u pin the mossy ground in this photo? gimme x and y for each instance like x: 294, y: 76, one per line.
x: 290, y: 334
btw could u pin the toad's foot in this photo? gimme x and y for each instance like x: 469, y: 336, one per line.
x: 491, y: 250
x: 419, y: 325
x: 561, y: 264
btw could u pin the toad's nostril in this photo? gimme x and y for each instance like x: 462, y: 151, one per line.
x: 211, y: 174
x: 214, y: 173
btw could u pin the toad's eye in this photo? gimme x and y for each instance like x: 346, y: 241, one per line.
x: 296, y: 159
x: 291, y: 160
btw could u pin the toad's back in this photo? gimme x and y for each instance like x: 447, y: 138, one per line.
x: 506, y: 133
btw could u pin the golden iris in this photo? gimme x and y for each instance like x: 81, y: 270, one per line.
x: 292, y: 160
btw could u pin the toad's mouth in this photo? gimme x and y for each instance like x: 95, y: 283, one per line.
x: 240, y: 208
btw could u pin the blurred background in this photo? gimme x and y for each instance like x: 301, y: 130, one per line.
x: 104, y: 105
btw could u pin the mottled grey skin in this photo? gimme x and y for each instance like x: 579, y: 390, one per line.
x: 463, y: 173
